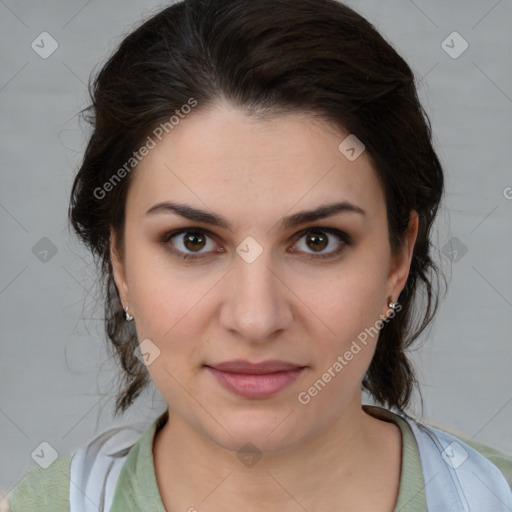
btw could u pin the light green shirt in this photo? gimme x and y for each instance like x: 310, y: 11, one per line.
x: 47, y: 490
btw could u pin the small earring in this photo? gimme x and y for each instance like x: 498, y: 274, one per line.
x: 128, y: 317
x: 392, y: 304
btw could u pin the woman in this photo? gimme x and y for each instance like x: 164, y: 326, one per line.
x: 259, y: 191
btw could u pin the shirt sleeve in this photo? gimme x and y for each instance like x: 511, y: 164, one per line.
x: 43, y: 490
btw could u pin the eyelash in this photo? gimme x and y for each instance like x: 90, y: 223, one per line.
x: 342, y: 237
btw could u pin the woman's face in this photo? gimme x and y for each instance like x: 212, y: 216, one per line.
x: 260, y: 286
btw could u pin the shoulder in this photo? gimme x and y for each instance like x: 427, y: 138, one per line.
x: 502, y: 460
x: 464, y: 477
x: 43, y: 490
x: 488, y: 463
x: 48, y: 490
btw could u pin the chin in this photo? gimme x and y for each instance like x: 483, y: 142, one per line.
x: 268, y: 432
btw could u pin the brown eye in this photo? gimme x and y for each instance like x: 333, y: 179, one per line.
x: 317, y: 240
x: 189, y: 243
x: 193, y: 240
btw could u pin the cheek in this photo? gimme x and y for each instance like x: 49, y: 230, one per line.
x: 168, y: 314
x: 166, y: 308
x: 342, y: 353
x: 343, y: 320
x: 344, y: 302
x: 160, y: 295
x: 169, y: 308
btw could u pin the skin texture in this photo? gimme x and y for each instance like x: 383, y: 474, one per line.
x: 284, y: 305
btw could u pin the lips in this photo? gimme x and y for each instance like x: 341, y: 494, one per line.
x: 255, y: 380
x: 246, y: 367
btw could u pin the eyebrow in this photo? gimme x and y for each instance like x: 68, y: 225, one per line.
x: 301, y: 217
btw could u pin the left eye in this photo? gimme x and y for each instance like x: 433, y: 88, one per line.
x: 319, y: 239
x: 195, y: 240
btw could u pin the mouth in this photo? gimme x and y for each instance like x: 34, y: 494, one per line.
x: 255, y: 380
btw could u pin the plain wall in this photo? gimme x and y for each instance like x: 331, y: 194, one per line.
x: 56, y: 384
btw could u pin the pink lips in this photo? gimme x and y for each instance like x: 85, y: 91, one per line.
x: 255, y: 380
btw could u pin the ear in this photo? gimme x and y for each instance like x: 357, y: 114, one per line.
x: 402, y: 262
x: 118, y: 270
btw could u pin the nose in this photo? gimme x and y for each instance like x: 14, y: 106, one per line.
x: 257, y: 301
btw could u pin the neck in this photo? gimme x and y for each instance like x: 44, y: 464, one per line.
x: 190, y: 465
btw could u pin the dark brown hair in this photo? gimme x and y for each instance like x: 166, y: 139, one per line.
x: 266, y: 57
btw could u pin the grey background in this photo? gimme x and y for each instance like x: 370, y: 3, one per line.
x: 56, y: 383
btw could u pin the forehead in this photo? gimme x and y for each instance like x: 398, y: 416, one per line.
x: 224, y: 157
